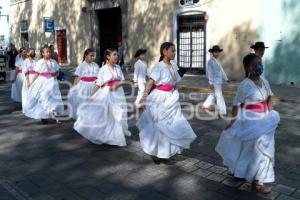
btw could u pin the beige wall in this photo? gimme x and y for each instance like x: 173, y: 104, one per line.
x: 67, y: 14
x: 232, y: 24
x: 149, y: 25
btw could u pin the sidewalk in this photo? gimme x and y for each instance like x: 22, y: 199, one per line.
x: 199, y: 83
x: 53, y: 162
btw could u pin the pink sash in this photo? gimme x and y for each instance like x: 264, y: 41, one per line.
x: 48, y: 74
x: 88, y: 79
x: 111, y: 83
x: 165, y: 87
x: 258, y: 107
x: 20, y: 71
x: 31, y: 72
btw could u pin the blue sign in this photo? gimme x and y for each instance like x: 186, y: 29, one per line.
x: 49, y: 25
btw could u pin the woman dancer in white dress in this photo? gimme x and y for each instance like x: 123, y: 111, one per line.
x: 17, y: 82
x: 247, y: 145
x: 29, y: 73
x: 102, y: 119
x: 140, y: 74
x: 44, y: 98
x: 85, y: 78
x: 164, y: 131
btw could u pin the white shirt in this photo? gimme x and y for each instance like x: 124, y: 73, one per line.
x: 107, y: 74
x: 163, y: 74
x: 20, y: 63
x: 46, y: 66
x: 140, y: 71
x: 215, y: 72
x: 250, y: 93
x: 29, y: 65
x: 87, y: 70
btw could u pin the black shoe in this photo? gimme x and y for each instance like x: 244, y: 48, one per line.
x: 167, y: 161
x: 156, y: 160
x: 44, y: 121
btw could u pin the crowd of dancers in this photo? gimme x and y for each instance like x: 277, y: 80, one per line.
x: 98, y: 104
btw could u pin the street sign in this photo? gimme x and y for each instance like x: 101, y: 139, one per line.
x: 49, y: 24
x: 23, y: 26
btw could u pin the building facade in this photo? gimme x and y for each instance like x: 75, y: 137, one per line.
x: 193, y: 25
x: 4, y: 24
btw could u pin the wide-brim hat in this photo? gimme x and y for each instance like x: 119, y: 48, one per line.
x: 139, y: 52
x: 215, y: 48
x: 258, y: 45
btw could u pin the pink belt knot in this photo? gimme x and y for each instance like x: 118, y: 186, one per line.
x: 31, y: 72
x: 88, y: 79
x: 111, y: 83
x: 165, y: 87
x: 48, y: 74
x: 258, y: 107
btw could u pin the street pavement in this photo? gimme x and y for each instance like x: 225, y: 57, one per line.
x: 47, y: 162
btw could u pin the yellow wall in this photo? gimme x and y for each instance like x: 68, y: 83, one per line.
x: 67, y: 15
x: 233, y: 24
x: 150, y: 24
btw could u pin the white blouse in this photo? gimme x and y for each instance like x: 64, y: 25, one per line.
x: 215, y: 72
x: 140, y: 71
x: 20, y: 63
x: 46, y: 66
x: 164, y: 74
x: 29, y: 65
x: 249, y: 93
x: 107, y: 74
x: 87, y: 70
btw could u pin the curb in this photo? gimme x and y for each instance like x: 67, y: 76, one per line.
x: 227, y: 93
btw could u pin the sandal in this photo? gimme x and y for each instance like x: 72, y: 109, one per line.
x: 261, y: 188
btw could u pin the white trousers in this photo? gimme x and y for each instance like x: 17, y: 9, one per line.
x: 141, y: 90
x: 216, y: 97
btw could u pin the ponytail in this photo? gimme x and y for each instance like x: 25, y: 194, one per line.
x: 32, y: 54
x: 165, y: 45
x: 161, y: 58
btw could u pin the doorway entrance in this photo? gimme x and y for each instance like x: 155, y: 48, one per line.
x: 110, y: 30
x: 191, y: 39
x: 62, y: 46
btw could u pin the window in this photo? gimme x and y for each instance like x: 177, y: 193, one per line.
x: 188, y: 2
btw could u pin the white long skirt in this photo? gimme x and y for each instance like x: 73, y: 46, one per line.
x: 164, y: 131
x: 25, y: 92
x: 44, y: 99
x: 102, y: 119
x: 16, y: 88
x: 248, y: 147
x: 77, y: 95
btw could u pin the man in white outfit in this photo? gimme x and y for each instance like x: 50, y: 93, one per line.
x: 259, y: 49
x: 215, y: 75
x: 140, y: 74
